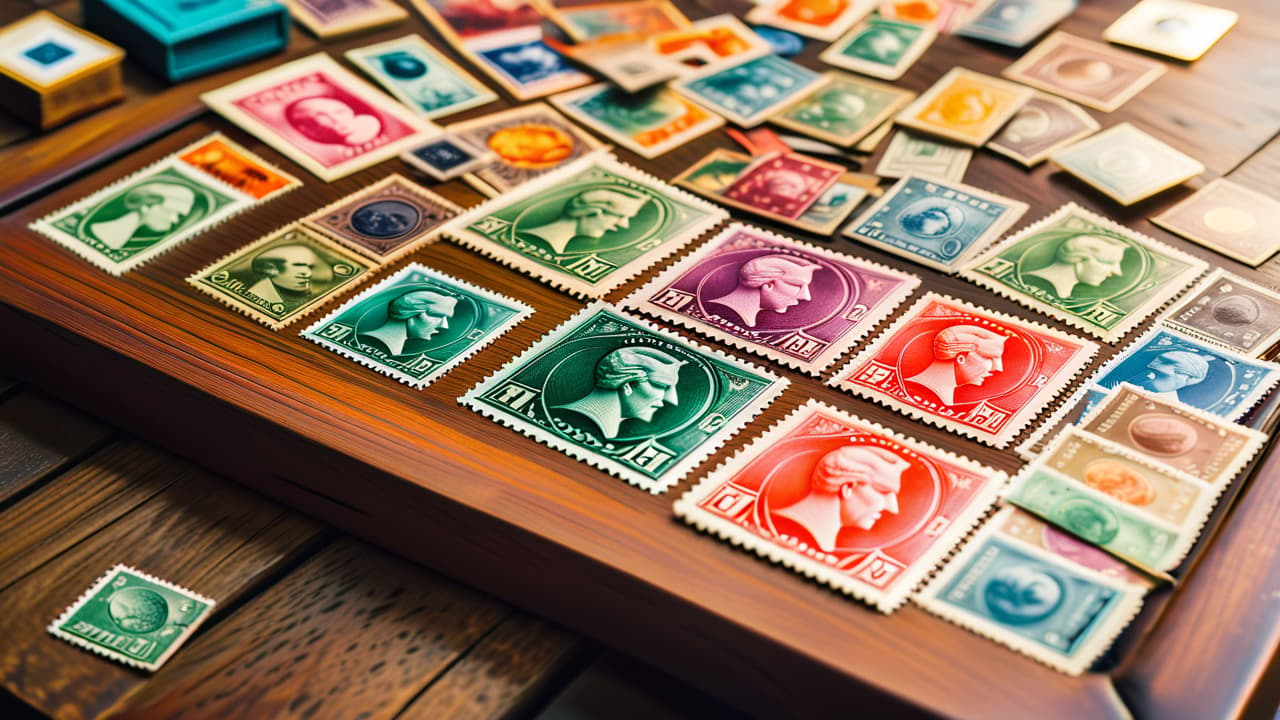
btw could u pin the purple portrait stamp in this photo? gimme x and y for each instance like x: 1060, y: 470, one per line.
x: 800, y: 305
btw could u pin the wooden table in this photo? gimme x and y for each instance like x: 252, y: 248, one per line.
x: 415, y: 473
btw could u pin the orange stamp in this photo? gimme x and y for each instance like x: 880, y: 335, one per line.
x: 965, y: 106
x: 218, y: 156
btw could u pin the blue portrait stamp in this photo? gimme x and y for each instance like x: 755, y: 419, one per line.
x: 528, y: 63
x: 1016, y: 22
x: 750, y: 91
x: 420, y: 77
x: 447, y: 157
x: 935, y: 223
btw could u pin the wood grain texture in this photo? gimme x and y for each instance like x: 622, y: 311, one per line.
x: 39, y: 435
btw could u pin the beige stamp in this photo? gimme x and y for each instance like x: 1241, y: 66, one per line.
x: 1088, y: 72
x: 1228, y: 218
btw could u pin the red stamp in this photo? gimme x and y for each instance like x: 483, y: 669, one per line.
x: 973, y: 371
x: 785, y: 185
x: 856, y: 506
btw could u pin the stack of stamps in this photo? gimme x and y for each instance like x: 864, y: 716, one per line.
x: 385, y: 220
x: 421, y: 77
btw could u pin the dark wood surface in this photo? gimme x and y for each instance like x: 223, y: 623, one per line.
x: 414, y: 472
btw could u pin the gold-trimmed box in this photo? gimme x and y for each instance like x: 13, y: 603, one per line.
x: 52, y: 71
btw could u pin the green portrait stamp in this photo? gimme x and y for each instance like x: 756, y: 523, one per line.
x: 131, y: 221
x: 587, y: 227
x: 625, y: 396
x: 417, y: 324
x: 1087, y: 271
x: 132, y: 618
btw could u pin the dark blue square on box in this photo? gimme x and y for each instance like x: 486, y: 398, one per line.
x: 47, y: 52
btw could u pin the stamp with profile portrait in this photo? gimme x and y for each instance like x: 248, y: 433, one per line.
x: 973, y: 371
x: 1086, y: 270
x: 1045, y: 124
x: 320, y: 115
x: 588, y: 227
x: 649, y: 123
x: 797, y: 304
x: 843, y: 109
x: 1230, y: 311
x: 282, y: 276
x: 1126, y: 163
x: 1043, y: 594
x: 965, y: 106
x: 625, y: 396
x: 847, y: 502
x: 417, y: 324
x: 421, y: 77
x: 880, y: 47
x: 385, y: 220
x: 749, y: 92
x: 1090, y: 73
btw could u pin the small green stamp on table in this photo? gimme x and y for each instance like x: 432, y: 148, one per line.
x: 132, y: 618
x: 417, y: 324
x: 625, y: 396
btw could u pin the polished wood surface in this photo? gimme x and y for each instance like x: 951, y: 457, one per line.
x: 414, y: 472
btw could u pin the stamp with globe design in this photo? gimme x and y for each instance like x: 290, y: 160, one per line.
x: 132, y: 618
x: 1086, y: 270
x: 794, y: 303
x: 970, y: 370
x: 1227, y: 310
x: 624, y: 396
x: 840, y: 499
x: 417, y: 324
x: 525, y: 143
x: 384, y: 221
x: 1051, y: 604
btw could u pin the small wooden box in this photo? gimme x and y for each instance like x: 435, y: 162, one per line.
x: 52, y: 71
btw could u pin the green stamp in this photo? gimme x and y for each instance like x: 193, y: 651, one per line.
x: 1087, y: 271
x: 131, y: 221
x: 417, y: 324
x: 625, y: 396
x: 844, y: 109
x: 587, y: 227
x: 132, y: 618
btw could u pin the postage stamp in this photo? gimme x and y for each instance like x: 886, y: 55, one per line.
x: 421, y: 77
x: 1045, y: 124
x: 909, y: 154
x: 934, y: 222
x: 1126, y: 163
x: 1016, y: 22
x: 880, y: 47
x: 1228, y: 218
x: 1177, y: 435
x: 750, y: 91
x: 625, y: 396
x: 976, y: 372
x: 847, y: 502
x: 332, y: 18
x: 385, y: 220
x: 320, y: 115
x: 818, y: 19
x: 227, y: 161
x: 593, y: 21
x: 783, y: 185
x: 417, y: 324
x: 1044, y: 604
x: 588, y: 227
x: 649, y: 123
x: 797, y: 304
x: 1182, y: 30
x: 843, y: 109
x: 132, y: 618
x: 282, y: 276
x: 43, y: 50
x: 447, y: 157
x: 1070, y: 412
x: 1087, y: 271
x: 1226, y: 310
x: 1030, y: 529
x: 1088, y: 72
x: 716, y: 41
x: 965, y: 106
x: 143, y: 215
x: 527, y: 142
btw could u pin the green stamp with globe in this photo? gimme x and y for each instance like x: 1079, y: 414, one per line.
x: 133, y: 618
x: 625, y: 396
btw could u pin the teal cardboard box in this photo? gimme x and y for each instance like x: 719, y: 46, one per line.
x: 179, y: 39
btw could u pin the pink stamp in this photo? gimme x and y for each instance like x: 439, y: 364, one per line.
x: 973, y: 371
x: 784, y: 185
x: 845, y: 501
x: 800, y: 305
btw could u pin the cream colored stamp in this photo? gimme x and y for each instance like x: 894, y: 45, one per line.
x: 1126, y: 163
x: 1088, y: 72
x: 1179, y: 29
x: 1227, y: 218
x: 910, y: 154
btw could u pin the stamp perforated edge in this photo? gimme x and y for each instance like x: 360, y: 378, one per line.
x: 360, y: 58
x: 1206, y: 283
x: 564, y: 101
x: 1018, y: 71
x: 293, y: 184
x: 102, y: 582
x: 893, y: 164
x: 686, y: 508
x: 677, y: 472
x: 681, y: 86
x: 1103, y: 636
x: 641, y: 301
x: 834, y: 56
x: 1089, y: 126
x: 522, y: 312
x: 1177, y: 285
x: 1025, y: 449
x: 1058, y: 382
x: 908, y: 116
x: 456, y: 230
x: 310, y: 221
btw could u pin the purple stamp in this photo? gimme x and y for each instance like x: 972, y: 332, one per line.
x: 800, y: 305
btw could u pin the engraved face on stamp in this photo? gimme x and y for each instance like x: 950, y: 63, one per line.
x: 784, y: 185
x: 626, y: 397
x: 880, y: 47
x: 649, y: 122
x: 1126, y: 163
x: 385, y: 220
x: 973, y: 371
x: 965, y: 106
x: 1090, y: 73
x: 1228, y: 218
x: 1229, y: 311
x: 527, y: 142
x: 1043, y: 125
x: 800, y: 305
x: 749, y: 92
x: 232, y: 164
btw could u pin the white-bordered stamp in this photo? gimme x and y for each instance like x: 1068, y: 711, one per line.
x: 332, y: 18
x: 421, y: 77
x: 965, y: 106
x: 649, y: 123
x: 386, y: 220
x: 1226, y: 310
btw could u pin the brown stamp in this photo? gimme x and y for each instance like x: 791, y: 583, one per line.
x: 386, y: 220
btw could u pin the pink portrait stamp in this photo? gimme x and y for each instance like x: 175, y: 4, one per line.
x: 784, y: 185
x: 858, y: 507
x: 973, y: 371
x: 800, y: 305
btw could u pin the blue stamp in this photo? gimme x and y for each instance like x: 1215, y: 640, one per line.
x: 444, y: 155
x: 751, y: 91
x: 48, y: 53
x: 784, y: 43
x: 1016, y: 22
x: 935, y: 223
x: 447, y: 157
x: 420, y: 77
x: 528, y: 63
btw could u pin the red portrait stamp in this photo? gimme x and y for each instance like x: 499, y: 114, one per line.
x: 858, y: 507
x: 973, y: 371
x: 784, y: 185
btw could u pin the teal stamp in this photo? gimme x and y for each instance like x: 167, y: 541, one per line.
x: 142, y: 216
x: 1087, y: 271
x: 417, y: 324
x: 420, y: 77
x: 880, y: 47
x: 626, y: 397
x: 587, y: 227
x: 132, y: 618
x: 749, y: 92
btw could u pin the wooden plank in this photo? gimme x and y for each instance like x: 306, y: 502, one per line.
x: 352, y: 632
x: 39, y: 435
